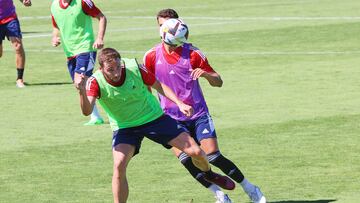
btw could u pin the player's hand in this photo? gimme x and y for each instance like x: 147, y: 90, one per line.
x: 98, y: 44
x: 26, y: 2
x: 186, y: 109
x: 55, y: 41
x: 196, y: 73
x: 79, y: 81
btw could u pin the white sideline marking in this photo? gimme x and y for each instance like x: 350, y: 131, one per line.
x: 143, y: 10
x: 144, y: 28
x: 237, y: 53
x: 132, y: 29
x: 36, y: 35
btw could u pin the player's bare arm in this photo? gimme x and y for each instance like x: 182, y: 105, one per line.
x: 99, y: 42
x: 167, y: 92
x: 55, y: 37
x: 213, y: 78
x: 86, y: 102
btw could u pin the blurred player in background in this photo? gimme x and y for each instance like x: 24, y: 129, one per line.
x: 72, y: 20
x: 10, y: 28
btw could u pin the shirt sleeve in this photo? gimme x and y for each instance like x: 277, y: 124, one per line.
x: 149, y: 61
x: 53, y: 22
x: 199, y: 60
x: 89, y: 8
x: 92, y: 88
x: 147, y: 76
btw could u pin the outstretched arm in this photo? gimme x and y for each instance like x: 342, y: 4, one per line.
x: 167, y: 92
x: 99, y: 42
x: 87, y: 103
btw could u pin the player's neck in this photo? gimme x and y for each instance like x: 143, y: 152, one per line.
x: 169, y: 49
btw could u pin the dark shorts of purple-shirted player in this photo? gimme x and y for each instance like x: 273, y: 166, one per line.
x: 219, y: 180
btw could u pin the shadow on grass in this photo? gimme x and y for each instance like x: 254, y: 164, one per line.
x: 305, y: 201
x: 48, y: 83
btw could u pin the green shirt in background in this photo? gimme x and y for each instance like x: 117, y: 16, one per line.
x: 75, y: 27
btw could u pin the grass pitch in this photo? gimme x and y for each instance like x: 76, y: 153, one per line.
x: 288, y: 114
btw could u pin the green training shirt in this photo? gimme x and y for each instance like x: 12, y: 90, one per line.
x: 130, y: 104
x: 75, y: 27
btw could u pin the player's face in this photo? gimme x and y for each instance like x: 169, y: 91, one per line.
x: 161, y: 21
x: 112, y: 70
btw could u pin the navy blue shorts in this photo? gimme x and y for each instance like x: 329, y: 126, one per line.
x: 161, y: 130
x: 10, y: 29
x: 82, y: 63
x: 200, y: 128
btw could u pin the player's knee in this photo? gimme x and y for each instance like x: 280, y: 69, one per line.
x: 19, y: 48
x: 194, y: 151
x: 120, y: 166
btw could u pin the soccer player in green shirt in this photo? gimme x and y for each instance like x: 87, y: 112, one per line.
x: 72, y: 21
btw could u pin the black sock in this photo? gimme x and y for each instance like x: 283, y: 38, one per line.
x: 20, y: 73
x: 193, y: 170
x: 227, y: 166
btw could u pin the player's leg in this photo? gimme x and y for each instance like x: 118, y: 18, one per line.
x: 195, y: 172
x: 165, y: 130
x: 85, y: 63
x: 192, y: 169
x: 198, y: 175
x: 13, y: 32
x: 1, y: 49
x: 210, y: 146
x: 206, y: 134
x: 2, y: 37
x: 126, y: 144
x: 187, y: 144
x: 122, y: 154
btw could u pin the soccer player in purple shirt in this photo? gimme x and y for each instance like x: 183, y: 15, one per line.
x: 10, y: 28
x: 179, y: 64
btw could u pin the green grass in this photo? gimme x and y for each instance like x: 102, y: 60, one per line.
x: 288, y: 114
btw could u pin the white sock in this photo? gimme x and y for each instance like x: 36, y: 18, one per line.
x: 95, y: 113
x: 247, y: 186
x: 215, y: 189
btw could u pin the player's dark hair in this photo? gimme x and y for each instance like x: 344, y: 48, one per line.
x: 167, y: 13
x: 108, y: 55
